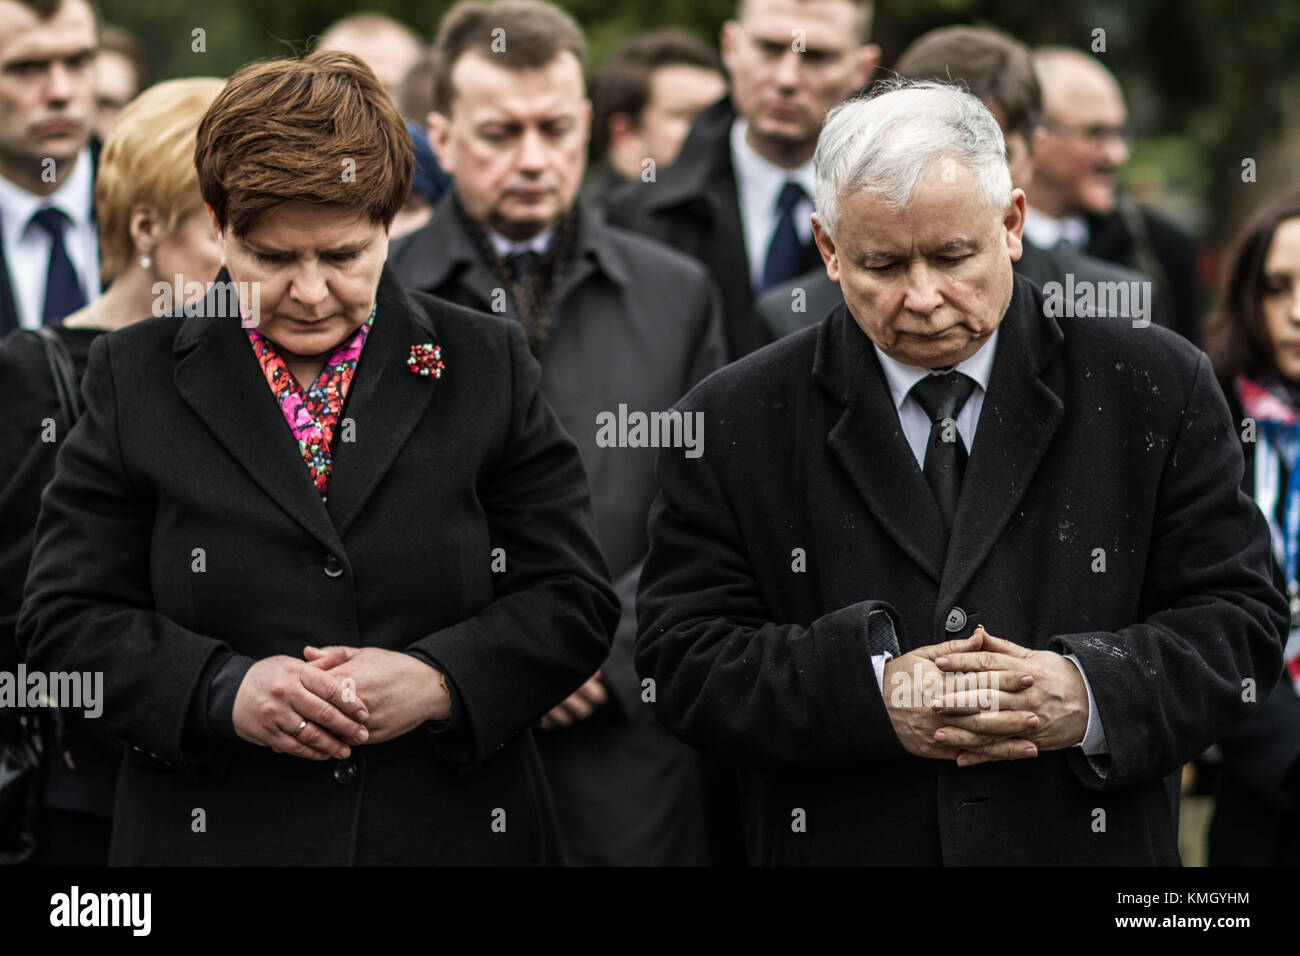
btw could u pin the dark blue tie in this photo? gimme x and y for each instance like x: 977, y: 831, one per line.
x: 63, y: 294
x: 785, y: 252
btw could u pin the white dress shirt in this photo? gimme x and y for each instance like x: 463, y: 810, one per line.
x: 507, y: 247
x: 27, y: 245
x: 1046, y: 231
x: 916, y: 427
x: 758, y: 187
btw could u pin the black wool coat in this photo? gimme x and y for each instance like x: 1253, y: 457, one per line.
x: 807, y: 512
x: 86, y: 777
x: 634, y: 324
x: 183, y: 453
x: 1145, y: 240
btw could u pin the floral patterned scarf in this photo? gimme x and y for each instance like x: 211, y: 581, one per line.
x: 1276, y: 412
x: 313, y: 413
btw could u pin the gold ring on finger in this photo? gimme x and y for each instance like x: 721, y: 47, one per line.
x: 300, y: 727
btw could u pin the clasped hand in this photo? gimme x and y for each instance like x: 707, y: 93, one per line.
x: 345, y: 696
x: 984, y: 698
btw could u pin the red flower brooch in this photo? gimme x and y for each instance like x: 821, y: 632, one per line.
x: 426, y: 360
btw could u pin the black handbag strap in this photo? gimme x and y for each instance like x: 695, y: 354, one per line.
x: 63, y: 372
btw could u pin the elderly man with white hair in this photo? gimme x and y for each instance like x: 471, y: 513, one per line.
x: 957, y: 579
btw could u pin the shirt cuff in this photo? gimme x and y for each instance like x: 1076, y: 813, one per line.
x: 878, y: 662
x: 1094, y: 738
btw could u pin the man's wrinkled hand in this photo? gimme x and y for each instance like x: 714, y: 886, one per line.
x: 1057, y: 697
x: 914, y: 688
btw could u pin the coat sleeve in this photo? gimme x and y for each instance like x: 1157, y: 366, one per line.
x: 729, y: 680
x: 548, y: 627
x: 26, y: 464
x: 705, y: 354
x: 709, y: 349
x: 1171, y: 685
x: 89, y: 602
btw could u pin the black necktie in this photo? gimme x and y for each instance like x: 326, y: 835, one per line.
x: 63, y: 294
x: 942, y: 397
x: 785, y: 251
x: 522, y: 265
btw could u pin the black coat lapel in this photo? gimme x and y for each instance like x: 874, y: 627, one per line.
x: 441, y: 259
x: 869, y: 442
x: 218, y: 376
x: 1021, y: 413
x: 8, y: 308
x: 385, y: 402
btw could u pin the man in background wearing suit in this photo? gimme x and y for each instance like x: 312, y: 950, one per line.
x: 740, y: 194
x: 1000, y: 71
x: 643, y: 101
x: 619, y: 323
x: 967, y: 495
x: 1073, y: 197
x: 49, y: 257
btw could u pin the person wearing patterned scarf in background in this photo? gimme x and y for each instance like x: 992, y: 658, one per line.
x: 1254, y: 344
x: 615, y: 320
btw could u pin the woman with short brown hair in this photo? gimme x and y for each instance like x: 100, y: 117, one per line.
x: 333, y: 555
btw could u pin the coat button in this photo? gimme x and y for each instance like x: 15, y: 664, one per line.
x: 956, y: 620
x: 345, y: 771
x: 333, y: 566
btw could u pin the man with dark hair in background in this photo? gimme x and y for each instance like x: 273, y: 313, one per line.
x: 1000, y: 71
x: 618, y: 323
x: 740, y: 195
x: 49, y: 269
x: 1073, y: 196
x: 49, y: 258
x: 121, y: 72
x: 644, y: 98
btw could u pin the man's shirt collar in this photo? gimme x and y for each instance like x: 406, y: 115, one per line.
x: 902, y: 377
x: 760, y: 178
x: 1046, y: 231
x: 507, y: 247
x: 74, y: 198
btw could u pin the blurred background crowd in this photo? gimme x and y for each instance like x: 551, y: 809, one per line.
x: 1155, y: 141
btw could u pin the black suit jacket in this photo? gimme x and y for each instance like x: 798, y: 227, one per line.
x: 8, y: 309
x: 1142, y: 239
x: 633, y: 324
x: 694, y: 207
x: 808, y: 512
x: 776, y: 315
x: 183, y: 454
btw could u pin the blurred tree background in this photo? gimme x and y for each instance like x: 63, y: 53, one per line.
x: 1209, y: 83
